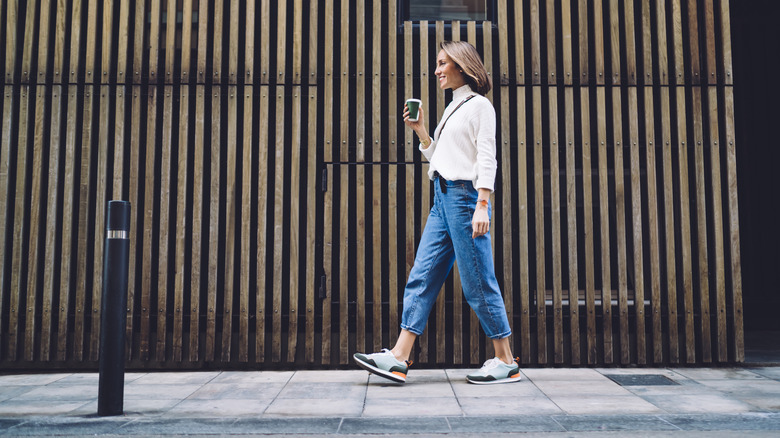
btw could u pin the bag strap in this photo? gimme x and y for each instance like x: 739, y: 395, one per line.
x: 453, y: 112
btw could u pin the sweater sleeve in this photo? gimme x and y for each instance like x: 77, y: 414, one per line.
x: 428, y: 152
x: 483, y: 133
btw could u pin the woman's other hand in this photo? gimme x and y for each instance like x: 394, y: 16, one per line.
x: 480, y: 223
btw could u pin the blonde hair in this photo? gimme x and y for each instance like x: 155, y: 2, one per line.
x: 470, y: 63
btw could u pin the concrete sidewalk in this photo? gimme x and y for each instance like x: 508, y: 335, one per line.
x: 547, y: 402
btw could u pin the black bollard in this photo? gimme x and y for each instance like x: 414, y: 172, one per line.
x: 111, y: 388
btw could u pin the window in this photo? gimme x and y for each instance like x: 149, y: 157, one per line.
x: 448, y: 10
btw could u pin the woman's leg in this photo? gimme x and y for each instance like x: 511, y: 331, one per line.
x: 503, y: 350
x: 404, y: 344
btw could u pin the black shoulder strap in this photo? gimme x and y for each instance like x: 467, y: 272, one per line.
x: 453, y: 112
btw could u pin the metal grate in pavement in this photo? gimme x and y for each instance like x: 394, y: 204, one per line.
x: 641, y: 379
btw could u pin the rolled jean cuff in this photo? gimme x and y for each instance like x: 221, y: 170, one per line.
x: 412, y: 330
x: 506, y: 334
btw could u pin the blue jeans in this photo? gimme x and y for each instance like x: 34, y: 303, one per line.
x: 447, y: 237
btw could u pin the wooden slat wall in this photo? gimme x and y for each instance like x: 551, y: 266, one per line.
x: 278, y: 199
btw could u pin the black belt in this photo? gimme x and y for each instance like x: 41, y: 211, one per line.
x: 442, y: 181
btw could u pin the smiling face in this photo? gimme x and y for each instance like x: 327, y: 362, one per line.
x: 448, y: 72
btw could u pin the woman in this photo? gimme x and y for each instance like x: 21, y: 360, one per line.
x: 462, y: 156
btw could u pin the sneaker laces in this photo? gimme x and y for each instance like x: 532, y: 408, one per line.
x: 490, y: 364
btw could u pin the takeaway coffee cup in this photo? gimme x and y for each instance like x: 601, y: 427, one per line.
x: 414, y: 109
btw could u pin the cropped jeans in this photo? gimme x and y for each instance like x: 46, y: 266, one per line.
x: 447, y: 237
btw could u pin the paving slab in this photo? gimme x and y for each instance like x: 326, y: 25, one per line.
x: 15, y: 408
x: 172, y: 426
x: 254, y: 377
x: 9, y: 392
x: 498, y: 405
x: 380, y: 388
x: 599, y: 404
x: 77, y: 426
x: 317, y: 426
x: 320, y: 407
x: 504, y: 424
x: 554, y: 388
x: 411, y: 407
x: 218, y: 408
x: 562, y: 374
x: 761, y: 386
x: 408, y: 426
x: 768, y: 372
x: 93, y: 378
x: 326, y: 390
x: 523, y: 388
x: 243, y: 391
x: 56, y: 392
x: 132, y: 408
x: 136, y: 391
x: 177, y: 378
x: 699, y: 403
x: 580, y: 423
x: 333, y: 376
x: 702, y: 374
x: 757, y: 421
x: 30, y: 379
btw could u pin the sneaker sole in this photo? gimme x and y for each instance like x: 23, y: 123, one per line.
x: 494, y: 382
x: 379, y: 372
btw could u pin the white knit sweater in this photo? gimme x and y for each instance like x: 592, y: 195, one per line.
x: 466, y: 149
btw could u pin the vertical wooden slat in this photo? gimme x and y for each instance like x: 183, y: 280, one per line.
x: 650, y: 146
x: 344, y: 130
x: 231, y: 215
x: 198, y: 231
x: 279, y: 220
x: 34, y: 248
x: 327, y: 243
x: 44, y: 20
x: 186, y: 40
x: 12, y: 24
x: 233, y: 43
x: 503, y: 43
x: 522, y: 208
x: 598, y: 41
x: 614, y: 42
x: 566, y: 42
x: 154, y: 39
x: 262, y: 224
x: 19, y: 225
x: 311, y: 223
x: 661, y: 43
x: 164, y: 195
x: 487, y: 42
x: 30, y: 34
x: 636, y: 217
x: 620, y: 224
x: 606, y: 279
x: 247, y: 235
x: 671, y: 268
x: 148, y: 207
x: 265, y: 40
x: 83, y: 237
x: 506, y: 204
x: 677, y: 43
x: 249, y: 43
x: 552, y: 67
x: 281, y: 41
x: 630, y: 38
x: 297, y: 43
x: 203, y: 11
x: 182, y: 212
x: 75, y: 40
x: 5, y: 196
x: 51, y: 224
x: 717, y: 224
x: 314, y: 41
x: 582, y: 17
x: 457, y: 290
x: 392, y: 177
x: 107, y: 54
x: 214, y: 225
x: 377, y: 207
x: 571, y: 225
x: 587, y: 218
x: 408, y: 157
x: 710, y: 42
x: 555, y: 226
x: 170, y: 41
x: 295, y: 195
x: 535, y: 43
x: 653, y: 227
x: 122, y: 59
x: 541, y: 317
x: 685, y: 226
x: 738, y: 335
x: 5, y: 180
x: 728, y: 79
x: 58, y: 64
x: 139, y: 48
x: 701, y: 226
x: 360, y: 176
x: 217, y: 64
x: 519, y: 42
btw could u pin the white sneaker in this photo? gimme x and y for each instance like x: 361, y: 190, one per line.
x: 495, y: 371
